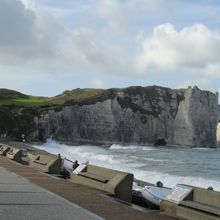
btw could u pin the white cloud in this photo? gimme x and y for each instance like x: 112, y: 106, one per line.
x: 202, y: 83
x: 27, y: 36
x: 194, y: 49
x: 111, y: 37
x: 33, y: 37
x: 125, y: 17
x: 29, y: 4
x: 97, y: 83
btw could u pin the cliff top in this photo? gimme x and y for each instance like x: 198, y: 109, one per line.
x: 80, y: 96
x: 11, y: 94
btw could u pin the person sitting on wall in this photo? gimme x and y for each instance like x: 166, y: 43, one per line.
x: 75, y: 164
x: 159, y: 184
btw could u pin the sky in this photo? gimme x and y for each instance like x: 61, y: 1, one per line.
x: 48, y: 46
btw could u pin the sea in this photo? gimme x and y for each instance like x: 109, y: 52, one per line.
x: 170, y: 165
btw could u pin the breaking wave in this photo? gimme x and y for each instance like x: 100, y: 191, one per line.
x: 170, y: 165
x: 130, y: 147
x: 116, y: 147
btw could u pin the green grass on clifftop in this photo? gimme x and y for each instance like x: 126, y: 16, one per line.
x: 29, y: 101
x: 11, y: 97
x: 79, y: 96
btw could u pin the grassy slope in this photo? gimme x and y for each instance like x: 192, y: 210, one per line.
x: 29, y: 101
x: 10, y: 97
x: 76, y: 96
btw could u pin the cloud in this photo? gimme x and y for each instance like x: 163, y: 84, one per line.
x: 97, y: 83
x: 112, y: 37
x: 32, y: 36
x: 16, y: 24
x: 29, y: 4
x: 26, y: 35
x: 202, y: 83
x: 194, y: 50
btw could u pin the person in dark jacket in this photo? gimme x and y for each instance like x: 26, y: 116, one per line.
x: 75, y: 164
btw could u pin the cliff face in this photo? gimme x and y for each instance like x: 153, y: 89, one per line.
x: 15, y: 121
x: 196, y: 120
x: 136, y: 115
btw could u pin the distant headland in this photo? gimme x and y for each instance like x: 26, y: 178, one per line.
x: 141, y: 115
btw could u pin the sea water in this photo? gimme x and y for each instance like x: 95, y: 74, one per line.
x: 170, y: 165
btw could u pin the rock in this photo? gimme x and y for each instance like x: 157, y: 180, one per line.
x: 15, y: 121
x: 135, y: 115
x: 196, y: 120
x: 138, y: 115
x: 218, y: 135
x: 160, y: 142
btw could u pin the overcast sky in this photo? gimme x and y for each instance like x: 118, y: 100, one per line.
x: 48, y: 46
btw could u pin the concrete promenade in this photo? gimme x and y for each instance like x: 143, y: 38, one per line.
x: 27, y: 194
x: 21, y: 199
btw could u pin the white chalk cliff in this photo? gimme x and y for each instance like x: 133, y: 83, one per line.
x: 139, y: 115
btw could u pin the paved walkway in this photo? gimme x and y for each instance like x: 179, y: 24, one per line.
x: 21, y: 199
x: 27, y: 194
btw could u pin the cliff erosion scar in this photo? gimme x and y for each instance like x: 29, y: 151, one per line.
x: 138, y: 115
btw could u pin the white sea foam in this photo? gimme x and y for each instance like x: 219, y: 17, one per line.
x: 205, y: 149
x: 116, y: 147
x: 148, y: 148
x: 122, y: 160
x: 172, y: 180
x: 155, y: 160
x: 135, y: 165
x: 131, y: 147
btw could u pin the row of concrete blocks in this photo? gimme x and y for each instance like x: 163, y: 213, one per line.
x: 199, y: 204
x: 113, y: 182
x: 13, y: 153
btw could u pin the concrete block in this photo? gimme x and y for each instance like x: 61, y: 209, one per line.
x: 4, y: 149
x: 201, y: 204
x: 45, y: 163
x: 117, y: 183
x: 17, y: 155
x: 205, y: 196
x: 194, y: 214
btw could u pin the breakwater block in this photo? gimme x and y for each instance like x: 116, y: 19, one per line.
x: 45, y: 163
x: 15, y: 154
x: 200, y: 204
x: 113, y: 182
x: 4, y: 149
